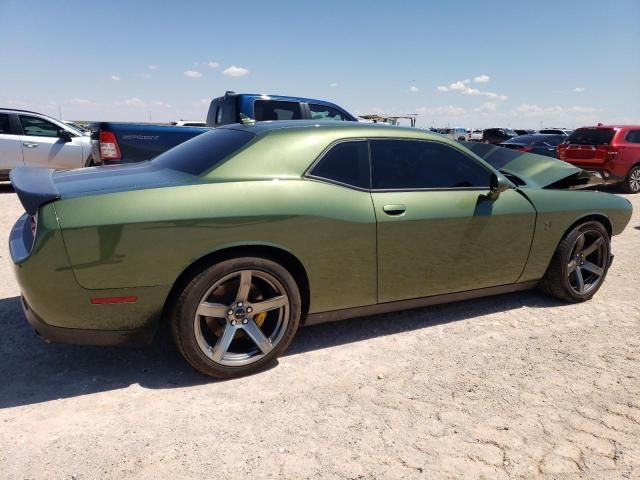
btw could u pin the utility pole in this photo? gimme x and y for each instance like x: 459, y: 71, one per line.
x: 59, y: 112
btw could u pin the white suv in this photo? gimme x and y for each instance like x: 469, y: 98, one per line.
x: 35, y: 140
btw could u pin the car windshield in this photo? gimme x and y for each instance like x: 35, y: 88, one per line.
x: 508, y: 131
x: 591, y: 136
x: 205, y: 151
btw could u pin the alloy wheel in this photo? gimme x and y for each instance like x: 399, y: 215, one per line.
x: 241, y: 318
x: 634, y: 180
x: 587, y: 262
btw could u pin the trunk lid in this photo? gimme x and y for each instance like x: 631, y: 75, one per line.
x: 533, y: 170
x: 588, y: 146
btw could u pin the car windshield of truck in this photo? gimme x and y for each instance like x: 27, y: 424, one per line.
x: 203, y: 152
x: 591, y: 136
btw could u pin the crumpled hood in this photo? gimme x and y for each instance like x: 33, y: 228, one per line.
x: 536, y: 170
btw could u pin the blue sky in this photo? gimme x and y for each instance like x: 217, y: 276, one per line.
x: 464, y: 63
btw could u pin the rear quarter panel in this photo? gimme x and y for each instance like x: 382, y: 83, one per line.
x: 148, y: 237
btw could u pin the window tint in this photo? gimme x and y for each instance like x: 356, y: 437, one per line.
x: 320, y: 112
x: 633, y: 136
x: 203, y: 152
x: 37, y: 127
x: 591, y: 136
x: 219, y: 115
x: 346, y: 162
x: 5, y: 127
x: 276, y: 110
x: 409, y: 164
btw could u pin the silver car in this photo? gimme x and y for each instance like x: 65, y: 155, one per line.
x: 35, y: 140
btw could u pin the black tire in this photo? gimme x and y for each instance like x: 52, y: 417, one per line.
x: 559, y: 280
x: 187, y: 327
x: 632, y: 182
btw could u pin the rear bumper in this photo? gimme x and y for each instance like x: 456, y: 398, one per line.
x: 50, y: 333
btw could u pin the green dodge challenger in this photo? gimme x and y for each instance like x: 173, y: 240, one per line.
x: 243, y: 234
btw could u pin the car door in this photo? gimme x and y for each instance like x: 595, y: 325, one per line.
x: 438, y: 232
x: 42, y: 147
x: 10, y: 145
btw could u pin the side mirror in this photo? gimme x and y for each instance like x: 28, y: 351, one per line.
x: 64, y: 135
x: 498, y: 185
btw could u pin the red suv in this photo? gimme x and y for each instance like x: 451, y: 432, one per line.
x: 611, y: 150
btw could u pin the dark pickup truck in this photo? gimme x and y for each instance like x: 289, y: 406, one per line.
x: 115, y: 143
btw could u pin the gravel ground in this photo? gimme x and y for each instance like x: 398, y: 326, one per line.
x: 514, y: 386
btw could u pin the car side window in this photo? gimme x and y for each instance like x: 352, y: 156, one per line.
x: 633, y: 136
x: 37, y: 127
x: 414, y: 164
x: 347, y: 163
x: 5, y: 126
x: 276, y: 110
x: 320, y: 112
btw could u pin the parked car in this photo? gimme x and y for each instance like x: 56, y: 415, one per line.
x: 459, y: 134
x: 497, y: 135
x: 557, y: 131
x: 540, y: 144
x: 36, y: 140
x: 524, y: 131
x: 189, y: 123
x: 241, y: 235
x: 611, y: 150
x: 475, y: 135
x: 84, y: 130
x: 116, y: 143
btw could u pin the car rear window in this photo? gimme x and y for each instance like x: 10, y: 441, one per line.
x: 591, y: 136
x: 205, y: 151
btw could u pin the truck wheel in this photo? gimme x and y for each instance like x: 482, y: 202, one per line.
x: 632, y: 183
x: 580, y: 264
x: 236, y: 317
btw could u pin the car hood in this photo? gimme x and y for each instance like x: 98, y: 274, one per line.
x: 37, y: 186
x: 537, y: 171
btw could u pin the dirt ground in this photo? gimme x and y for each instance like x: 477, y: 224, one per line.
x: 515, y: 386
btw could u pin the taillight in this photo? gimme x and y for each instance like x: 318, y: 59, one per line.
x: 612, y: 152
x: 109, y: 149
x: 562, y: 151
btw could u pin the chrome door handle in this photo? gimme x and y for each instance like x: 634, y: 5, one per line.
x: 30, y: 145
x: 394, y: 209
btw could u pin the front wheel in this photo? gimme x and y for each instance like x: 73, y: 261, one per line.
x: 236, y: 317
x: 580, y: 264
x: 632, y: 182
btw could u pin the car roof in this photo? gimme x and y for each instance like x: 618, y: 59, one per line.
x: 21, y: 111
x: 533, y: 136
x: 609, y: 126
x: 267, y: 126
x: 266, y: 96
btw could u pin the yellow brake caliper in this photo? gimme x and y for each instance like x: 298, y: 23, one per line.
x: 259, y: 318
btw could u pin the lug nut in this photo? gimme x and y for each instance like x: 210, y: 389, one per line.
x: 245, y: 321
x: 249, y: 309
x: 233, y: 323
x: 230, y: 312
x: 239, y: 304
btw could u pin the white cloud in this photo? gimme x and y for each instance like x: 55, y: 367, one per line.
x: 192, y: 74
x: 234, y: 71
x: 153, y: 67
x: 488, y: 107
x: 81, y: 101
x: 462, y: 87
x: 133, y: 102
x: 442, y: 111
x: 481, y: 79
x: 115, y: 78
x: 413, y: 88
x: 579, y: 89
x: 334, y: 84
x: 205, y: 101
x: 17, y: 103
x: 160, y: 103
x: 213, y: 64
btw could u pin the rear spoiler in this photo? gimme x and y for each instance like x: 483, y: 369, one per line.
x: 34, y: 187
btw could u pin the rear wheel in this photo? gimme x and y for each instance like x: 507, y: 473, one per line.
x: 236, y: 317
x: 580, y: 264
x: 632, y: 182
